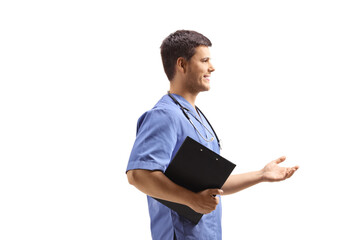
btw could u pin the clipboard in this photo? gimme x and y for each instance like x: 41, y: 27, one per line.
x: 196, y: 168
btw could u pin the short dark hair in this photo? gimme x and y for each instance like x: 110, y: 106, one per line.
x: 181, y: 43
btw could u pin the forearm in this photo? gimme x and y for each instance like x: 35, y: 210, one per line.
x: 238, y: 182
x: 157, y: 185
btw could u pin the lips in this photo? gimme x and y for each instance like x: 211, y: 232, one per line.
x: 207, y: 77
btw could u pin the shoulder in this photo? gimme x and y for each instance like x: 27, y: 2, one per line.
x: 164, y: 112
x: 157, y: 115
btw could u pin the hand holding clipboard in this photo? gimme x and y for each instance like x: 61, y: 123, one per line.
x: 198, y: 169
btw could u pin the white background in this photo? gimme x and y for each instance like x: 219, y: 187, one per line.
x: 76, y: 75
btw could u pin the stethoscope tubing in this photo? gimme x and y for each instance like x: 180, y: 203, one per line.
x: 183, y: 109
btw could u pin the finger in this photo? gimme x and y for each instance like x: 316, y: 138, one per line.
x: 287, y: 173
x: 290, y: 174
x: 280, y: 159
x: 293, y: 170
x: 215, y: 192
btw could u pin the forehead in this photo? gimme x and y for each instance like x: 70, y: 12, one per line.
x: 201, y: 52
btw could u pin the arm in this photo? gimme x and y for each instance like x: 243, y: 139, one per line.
x: 156, y: 184
x: 272, y: 172
x: 238, y: 182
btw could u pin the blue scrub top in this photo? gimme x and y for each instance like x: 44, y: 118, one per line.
x: 160, y: 133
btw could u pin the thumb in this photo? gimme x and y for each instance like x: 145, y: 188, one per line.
x: 215, y: 192
x: 280, y: 160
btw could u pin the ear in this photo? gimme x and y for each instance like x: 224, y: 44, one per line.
x: 181, y: 64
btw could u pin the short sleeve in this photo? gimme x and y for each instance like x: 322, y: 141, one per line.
x: 155, y: 141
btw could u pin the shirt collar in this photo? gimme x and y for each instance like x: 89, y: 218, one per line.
x: 183, y: 102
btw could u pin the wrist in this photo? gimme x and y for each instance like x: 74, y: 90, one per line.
x: 261, y: 175
x: 189, y: 198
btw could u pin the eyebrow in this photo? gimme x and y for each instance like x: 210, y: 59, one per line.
x: 205, y: 58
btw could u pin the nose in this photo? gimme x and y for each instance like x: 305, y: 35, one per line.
x: 211, y: 68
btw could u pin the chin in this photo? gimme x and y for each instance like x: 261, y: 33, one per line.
x: 205, y: 89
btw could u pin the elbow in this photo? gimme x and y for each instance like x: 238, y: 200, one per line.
x: 137, y: 176
x: 131, y: 177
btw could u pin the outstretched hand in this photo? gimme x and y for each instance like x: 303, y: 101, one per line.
x: 272, y: 172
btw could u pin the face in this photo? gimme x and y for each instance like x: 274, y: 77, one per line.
x: 199, y: 69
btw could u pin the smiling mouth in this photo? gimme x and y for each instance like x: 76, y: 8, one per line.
x: 207, y: 77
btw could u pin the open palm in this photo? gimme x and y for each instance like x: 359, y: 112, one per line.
x: 272, y: 172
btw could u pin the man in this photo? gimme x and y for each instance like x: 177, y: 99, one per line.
x: 161, y: 131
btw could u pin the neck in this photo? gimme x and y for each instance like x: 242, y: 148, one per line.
x: 190, y: 97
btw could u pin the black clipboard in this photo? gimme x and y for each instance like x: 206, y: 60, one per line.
x: 196, y: 168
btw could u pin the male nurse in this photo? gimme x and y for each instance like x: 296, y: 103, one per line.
x: 160, y: 132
